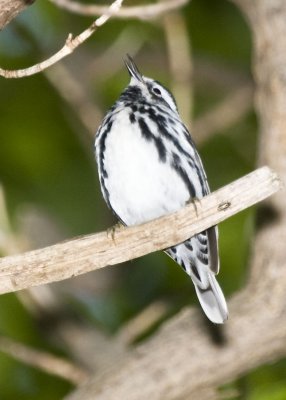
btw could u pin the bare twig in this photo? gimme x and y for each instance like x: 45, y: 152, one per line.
x: 91, y: 252
x: 45, y: 361
x: 145, y: 12
x: 74, y: 91
x: 71, y: 44
x: 75, y: 96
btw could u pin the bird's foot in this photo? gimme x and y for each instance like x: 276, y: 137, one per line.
x: 195, y: 201
x: 113, y: 229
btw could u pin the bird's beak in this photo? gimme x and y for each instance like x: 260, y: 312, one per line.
x: 132, y: 69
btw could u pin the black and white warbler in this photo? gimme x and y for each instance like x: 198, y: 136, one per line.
x: 148, y: 166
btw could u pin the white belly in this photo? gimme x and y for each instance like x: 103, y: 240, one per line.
x: 140, y: 186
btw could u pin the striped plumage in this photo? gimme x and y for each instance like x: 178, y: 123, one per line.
x: 148, y: 166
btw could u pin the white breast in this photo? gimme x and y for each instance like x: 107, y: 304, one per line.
x: 140, y: 186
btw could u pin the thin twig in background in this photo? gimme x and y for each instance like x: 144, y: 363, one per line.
x: 44, y: 361
x: 229, y: 111
x: 144, y: 12
x: 180, y: 61
x: 71, y: 44
x: 143, y: 321
x: 11, y: 241
x: 75, y: 95
x: 91, y: 252
x: 106, y: 13
x: 110, y: 62
x: 90, y: 346
x: 218, y: 75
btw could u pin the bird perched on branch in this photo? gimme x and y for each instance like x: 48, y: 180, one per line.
x: 148, y: 166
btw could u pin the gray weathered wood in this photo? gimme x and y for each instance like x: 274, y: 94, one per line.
x: 116, y: 245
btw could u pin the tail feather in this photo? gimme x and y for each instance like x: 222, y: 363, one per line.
x: 212, y: 301
x: 198, y: 256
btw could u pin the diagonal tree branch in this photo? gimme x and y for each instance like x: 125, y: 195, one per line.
x: 70, y: 45
x: 43, y: 360
x: 114, y: 246
x: 226, y: 113
x: 141, y: 12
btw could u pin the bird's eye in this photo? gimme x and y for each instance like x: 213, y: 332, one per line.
x: 157, y: 91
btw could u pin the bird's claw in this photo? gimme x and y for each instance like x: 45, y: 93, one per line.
x: 113, y: 229
x: 195, y: 201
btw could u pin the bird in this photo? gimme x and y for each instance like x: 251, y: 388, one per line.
x: 148, y: 167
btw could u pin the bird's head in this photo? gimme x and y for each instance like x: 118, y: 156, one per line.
x: 149, y: 89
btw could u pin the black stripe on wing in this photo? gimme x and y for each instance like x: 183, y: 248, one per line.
x: 213, y: 249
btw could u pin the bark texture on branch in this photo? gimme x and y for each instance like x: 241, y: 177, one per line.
x: 9, y: 9
x: 181, y: 361
x: 87, y: 253
x: 72, y: 42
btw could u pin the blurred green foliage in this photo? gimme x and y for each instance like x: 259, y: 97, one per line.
x: 46, y: 161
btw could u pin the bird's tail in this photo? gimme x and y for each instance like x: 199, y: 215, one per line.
x: 212, y: 300
x: 198, y: 256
